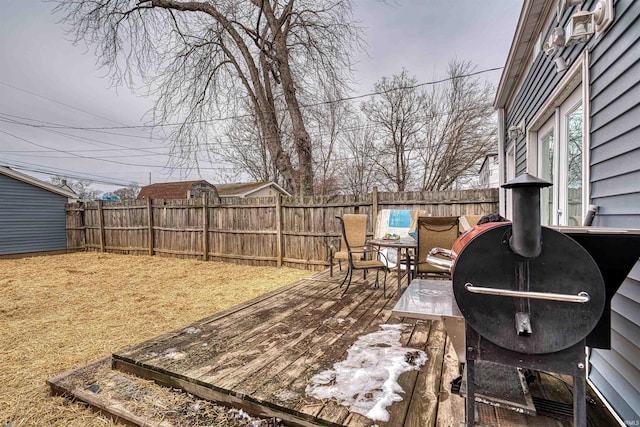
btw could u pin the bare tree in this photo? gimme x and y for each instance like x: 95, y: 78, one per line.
x: 460, y: 129
x: 200, y: 57
x: 398, y: 114
x: 243, y: 146
x: 328, y: 120
x: 356, y: 161
x: 82, y: 188
x: 127, y: 193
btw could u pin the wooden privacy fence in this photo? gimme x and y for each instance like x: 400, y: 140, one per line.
x: 290, y: 231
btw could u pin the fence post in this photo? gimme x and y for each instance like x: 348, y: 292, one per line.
x: 150, y: 224
x: 101, y: 225
x: 279, y: 230
x: 205, y: 227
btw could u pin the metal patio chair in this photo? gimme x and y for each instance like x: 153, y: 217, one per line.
x: 359, y: 256
x: 434, y: 232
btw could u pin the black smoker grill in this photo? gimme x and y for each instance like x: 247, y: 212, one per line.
x: 535, y: 297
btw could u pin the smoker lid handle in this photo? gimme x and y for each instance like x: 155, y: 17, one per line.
x: 581, y: 297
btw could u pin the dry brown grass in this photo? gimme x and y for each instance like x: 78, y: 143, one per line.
x: 60, y: 312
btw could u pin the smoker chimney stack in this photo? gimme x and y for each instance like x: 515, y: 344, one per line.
x: 526, y: 238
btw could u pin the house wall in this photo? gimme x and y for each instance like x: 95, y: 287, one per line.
x: 614, y: 175
x: 265, y: 192
x: 31, y: 219
x: 615, y: 188
x: 488, y: 177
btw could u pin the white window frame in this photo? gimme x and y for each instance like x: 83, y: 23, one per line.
x: 550, y: 127
x: 510, y: 172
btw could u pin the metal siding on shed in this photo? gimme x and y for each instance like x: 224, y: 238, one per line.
x: 614, y: 90
x: 31, y: 219
x: 615, y: 188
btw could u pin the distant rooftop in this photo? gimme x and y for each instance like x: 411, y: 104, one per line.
x: 171, y: 190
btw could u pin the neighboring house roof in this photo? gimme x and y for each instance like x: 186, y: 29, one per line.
x: 246, y: 189
x: 36, y: 182
x: 170, y: 190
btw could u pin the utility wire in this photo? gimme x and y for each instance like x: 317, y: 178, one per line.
x: 315, y: 104
x: 78, y: 155
x: 61, y: 103
x: 48, y: 170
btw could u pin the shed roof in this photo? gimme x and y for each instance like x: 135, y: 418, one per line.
x: 169, y: 190
x: 244, y: 189
x: 36, y: 182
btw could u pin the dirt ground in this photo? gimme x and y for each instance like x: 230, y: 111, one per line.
x: 61, y: 312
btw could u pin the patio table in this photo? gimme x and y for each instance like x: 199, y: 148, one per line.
x: 402, y: 244
x: 433, y: 299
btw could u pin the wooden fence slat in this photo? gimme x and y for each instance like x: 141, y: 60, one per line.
x: 101, y: 225
x: 150, y: 225
x: 205, y: 227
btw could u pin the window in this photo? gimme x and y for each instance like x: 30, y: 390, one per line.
x: 560, y: 159
x: 547, y: 171
x: 510, y: 174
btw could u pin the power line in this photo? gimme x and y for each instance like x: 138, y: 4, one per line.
x: 51, y: 171
x: 60, y: 103
x: 68, y: 127
x: 219, y: 119
x: 78, y: 155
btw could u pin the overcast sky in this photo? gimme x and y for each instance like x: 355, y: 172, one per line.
x: 45, y: 80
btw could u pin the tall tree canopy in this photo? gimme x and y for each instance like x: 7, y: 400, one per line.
x: 200, y: 57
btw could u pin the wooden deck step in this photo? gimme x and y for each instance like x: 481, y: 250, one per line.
x: 130, y: 400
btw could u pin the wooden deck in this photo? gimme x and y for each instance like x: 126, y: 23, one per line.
x: 261, y: 355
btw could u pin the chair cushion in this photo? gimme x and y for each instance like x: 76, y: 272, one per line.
x: 374, y: 263
x: 345, y: 255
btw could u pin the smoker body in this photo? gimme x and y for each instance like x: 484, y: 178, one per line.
x: 534, y: 297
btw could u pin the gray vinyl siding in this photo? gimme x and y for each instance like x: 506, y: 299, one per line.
x: 536, y: 89
x: 31, y: 219
x: 615, y: 188
x: 614, y: 174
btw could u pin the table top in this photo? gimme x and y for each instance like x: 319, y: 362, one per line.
x: 428, y: 299
x: 403, y: 242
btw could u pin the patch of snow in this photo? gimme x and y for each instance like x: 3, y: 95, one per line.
x: 192, y: 330
x: 367, y: 381
x: 241, y: 415
x: 174, y: 354
x: 287, y: 395
x: 333, y: 322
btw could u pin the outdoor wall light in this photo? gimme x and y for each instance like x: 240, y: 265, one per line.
x: 581, y: 26
x: 584, y: 24
x: 563, y: 5
x: 516, y: 131
x: 561, y: 64
x: 555, y: 42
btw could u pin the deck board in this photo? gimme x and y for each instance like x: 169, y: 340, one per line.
x: 261, y: 355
